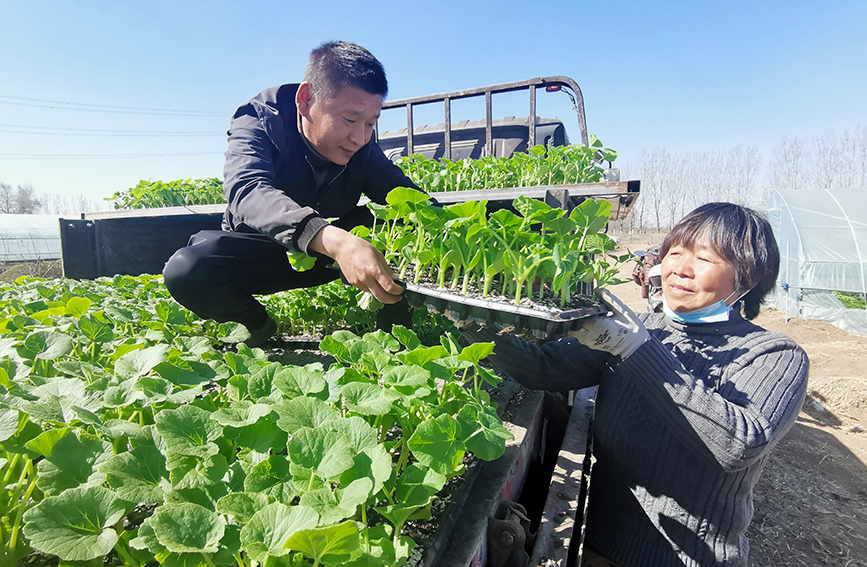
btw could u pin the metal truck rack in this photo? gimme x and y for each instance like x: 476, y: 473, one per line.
x: 555, y: 83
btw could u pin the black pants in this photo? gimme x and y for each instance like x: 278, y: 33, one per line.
x: 217, y: 274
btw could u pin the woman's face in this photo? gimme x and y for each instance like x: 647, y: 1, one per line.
x: 695, y: 277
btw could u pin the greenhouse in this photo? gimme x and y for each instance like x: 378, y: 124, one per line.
x: 29, y: 237
x: 822, y: 235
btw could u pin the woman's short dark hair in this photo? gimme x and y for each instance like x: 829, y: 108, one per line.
x: 740, y: 235
x: 335, y: 64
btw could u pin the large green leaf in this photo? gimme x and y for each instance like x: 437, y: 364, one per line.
x: 360, y: 433
x: 591, y: 215
x: 370, y: 458
x: 77, y: 525
x: 263, y: 436
x: 417, y: 484
x: 422, y: 355
x: 83, y: 370
x: 484, y: 433
x: 159, y: 391
x: 400, y: 195
x: 382, y: 340
x: 189, y: 430
x: 137, y: 474
x: 271, y: 477
x: 260, y: 383
x: 407, y: 375
x: 241, y: 414
x: 368, y: 399
x: 195, y: 472
x: 9, y: 423
x: 407, y: 337
x: 122, y: 395
x: 48, y: 345
x: 57, y: 400
x: 301, y: 412
x: 436, y: 443
x: 140, y: 362
x: 242, y: 505
x: 371, y: 462
x: 190, y: 374
x: 476, y: 352
x: 294, y: 381
x: 331, y: 545
x: 69, y: 461
x: 95, y: 330
x: 326, y: 452
x: 333, y: 506
x: 188, y: 528
x: 271, y: 527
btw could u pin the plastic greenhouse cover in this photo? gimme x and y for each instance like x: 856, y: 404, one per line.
x: 29, y: 237
x: 822, y: 235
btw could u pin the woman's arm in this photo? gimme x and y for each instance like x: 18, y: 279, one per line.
x: 557, y: 365
x: 739, y: 417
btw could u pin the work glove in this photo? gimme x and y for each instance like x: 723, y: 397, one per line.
x: 456, y: 318
x: 619, y: 332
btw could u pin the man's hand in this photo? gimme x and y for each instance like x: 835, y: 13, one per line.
x: 361, y: 263
x: 618, y: 332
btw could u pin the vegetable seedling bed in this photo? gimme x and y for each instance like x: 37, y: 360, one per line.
x: 545, y: 323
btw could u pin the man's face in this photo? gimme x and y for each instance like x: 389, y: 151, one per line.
x: 339, y: 126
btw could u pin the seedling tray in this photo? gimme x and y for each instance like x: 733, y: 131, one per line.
x: 544, y: 324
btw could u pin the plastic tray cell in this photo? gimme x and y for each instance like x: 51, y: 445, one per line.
x: 545, y: 324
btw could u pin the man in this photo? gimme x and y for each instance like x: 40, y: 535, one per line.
x: 298, y: 154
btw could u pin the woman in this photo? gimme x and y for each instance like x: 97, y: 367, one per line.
x: 690, y: 401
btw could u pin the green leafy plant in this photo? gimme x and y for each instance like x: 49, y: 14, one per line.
x: 150, y: 194
x: 540, y: 165
x: 513, y: 252
x: 851, y: 300
x: 153, y: 442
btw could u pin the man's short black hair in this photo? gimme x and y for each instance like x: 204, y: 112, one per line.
x: 335, y: 64
x: 740, y: 235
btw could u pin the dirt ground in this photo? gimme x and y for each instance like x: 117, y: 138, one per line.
x: 811, y: 502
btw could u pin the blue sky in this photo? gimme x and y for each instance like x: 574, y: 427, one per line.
x: 81, y: 82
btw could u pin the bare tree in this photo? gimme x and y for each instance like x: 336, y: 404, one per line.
x: 851, y: 155
x: 7, y: 198
x: 742, y: 171
x: 655, y: 176
x: 69, y: 206
x: 707, y: 180
x: 678, y: 183
x: 21, y: 200
x: 790, y: 162
x: 26, y: 202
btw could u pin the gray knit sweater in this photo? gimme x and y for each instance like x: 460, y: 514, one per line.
x: 682, y: 430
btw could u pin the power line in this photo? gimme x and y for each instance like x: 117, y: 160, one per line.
x: 54, y: 131
x: 87, y: 107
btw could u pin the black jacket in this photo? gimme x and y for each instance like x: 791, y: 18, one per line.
x: 276, y: 184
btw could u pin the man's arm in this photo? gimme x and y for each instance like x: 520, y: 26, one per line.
x: 250, y: 176
x: 361, y: 263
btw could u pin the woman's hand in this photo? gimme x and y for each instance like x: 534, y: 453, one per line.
x: 619, y: 332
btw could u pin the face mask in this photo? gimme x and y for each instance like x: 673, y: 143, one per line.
x: 714, y: 313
